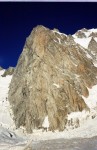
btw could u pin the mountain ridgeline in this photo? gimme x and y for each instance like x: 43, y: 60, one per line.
x: 52, y: 75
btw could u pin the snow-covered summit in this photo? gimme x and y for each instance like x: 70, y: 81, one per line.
x: 84, y: 36
x: 85, y: 32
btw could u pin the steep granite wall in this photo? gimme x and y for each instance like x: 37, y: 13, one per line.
x: 50, y: 78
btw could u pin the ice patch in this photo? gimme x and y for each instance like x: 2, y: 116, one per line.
x: 2, y: 71
x: 95, y: 64
x: 45, y: 122
x: 87, y: 34
x: 57, y: 85
x: 88, y: 56
x: 84, y: 42
x: 79, y: 115
x: 91, y: 100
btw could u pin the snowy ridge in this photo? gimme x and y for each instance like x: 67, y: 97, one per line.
x: 84, y: 41
x: 58, y: 32
x: 86, y: 32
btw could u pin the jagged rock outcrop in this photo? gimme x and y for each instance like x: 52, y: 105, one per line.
x: 50, y: 78
x: 8, y: 71
x: 93, y: 35
x: 80, y: 33
x: 93, y: 45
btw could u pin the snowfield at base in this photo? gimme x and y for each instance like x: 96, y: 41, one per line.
x: 8, y: 138
x: 12, y: 139
x: 87, y: 130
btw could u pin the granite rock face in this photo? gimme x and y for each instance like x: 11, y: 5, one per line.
x: 93, y: 46
x: 52, y: 75
x: 8, y: 71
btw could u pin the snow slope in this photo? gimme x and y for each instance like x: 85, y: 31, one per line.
x: 5, y: 118
x: 87, y: 127
x: 86, y: 130
x: 8, y: 139
x: 84, y: 42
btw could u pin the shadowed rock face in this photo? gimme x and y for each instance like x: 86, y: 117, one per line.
x: 50, y: 78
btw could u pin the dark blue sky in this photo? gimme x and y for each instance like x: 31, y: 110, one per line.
x: 18, y: 19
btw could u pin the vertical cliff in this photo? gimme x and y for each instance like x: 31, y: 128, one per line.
x: 52, y: 75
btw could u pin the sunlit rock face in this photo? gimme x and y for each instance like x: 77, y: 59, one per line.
x: 8, y: 71
x: 80, y: 34
x: 93, y: 46
x: 52, y: 75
